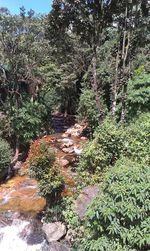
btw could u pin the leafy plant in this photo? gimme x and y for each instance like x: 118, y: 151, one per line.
x: 104, y: 149
x: 86, y: 109
x: 111, y: 141
x: 27, y: 121
x: 5, y: 158
x: 138, y: 99
x: 41, y: 161
x: 138, y: 138
x: 119, y: 217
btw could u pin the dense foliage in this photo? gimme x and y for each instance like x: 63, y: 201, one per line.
x: 42, y: 166
x: 89, y: 59
x: 112, y: 140
x: 119, y: 219
x: 5, y: 157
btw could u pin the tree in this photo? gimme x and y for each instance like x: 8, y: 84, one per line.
x: 20, y: 80
x: 89, y: 20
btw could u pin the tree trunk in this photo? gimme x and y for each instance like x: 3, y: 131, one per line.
x: 15, y: 158
x: 96, y: 89
x: 125, y: 73
x: 114, y: 88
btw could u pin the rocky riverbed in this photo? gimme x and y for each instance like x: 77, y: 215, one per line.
x: 21, y: 204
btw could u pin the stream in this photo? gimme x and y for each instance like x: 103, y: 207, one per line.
x: 21, y: 204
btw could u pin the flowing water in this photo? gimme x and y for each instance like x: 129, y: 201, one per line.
x: 18, y: 237
x: 20, y: 203
x: 20, y: 230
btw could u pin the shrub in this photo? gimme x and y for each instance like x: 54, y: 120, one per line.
x: 138, y: 99
x: 52, y: 184
x: 27, y: 121
x: 112, y: 141
x: 119, y: 218
x: 87, y: 108
x: 104, y: 149
x: 5, y: 157
x: 138, y: 139
x: 43, y: 167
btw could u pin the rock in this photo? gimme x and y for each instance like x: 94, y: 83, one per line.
x: 83, y: 138
x: 76, y: 130
x: 76, y: 133
x: 57, y: 246
x: 33, y: 233
x: 67, y: 141
x: 71, y: 235
x: 77, y: 150
x: 17, y: 166
x: 68, y: 150
x: 64, y: 162
x: 54, y: 231
x: 67, y: 145
x: 66, y: 135
x: 84, y: 200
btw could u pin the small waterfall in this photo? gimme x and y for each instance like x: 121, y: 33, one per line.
x: 19, y: 237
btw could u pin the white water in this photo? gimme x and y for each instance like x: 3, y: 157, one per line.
x: 11, y: 241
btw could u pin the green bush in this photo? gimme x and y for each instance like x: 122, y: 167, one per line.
x: 5, y: 158
x: 52, y: 183
x: 104, y: 149
x: 87, y: 108
x: 112, y: 141
x: 119, y: 218
x: 41, y: 160
x: 138, y: 99
x: 138, y: 139
x: 27, y: 122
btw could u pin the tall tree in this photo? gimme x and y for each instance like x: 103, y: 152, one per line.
x: 19, y: 62
x: 88, y: 20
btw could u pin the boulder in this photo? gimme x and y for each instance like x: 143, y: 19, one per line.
x: 66, y: 135
x: 67, y: 141
x: 32, y: 233
x: 54, y: 231
x: 67, y: 144
x: 68, y: 150
x: 84, y: 200
x: 57, y: 246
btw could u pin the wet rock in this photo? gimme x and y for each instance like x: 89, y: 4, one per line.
x: 54, y: 231
x: 21, y: 194
x: 70, y: 158
x: 67, y: 141
x: 33, y: 233
x: 83, y: 138
x: 66, y: 135
x: 77, y: 150
x: 67, y: 144
x: 17, y: 166
x: 56, y: 246
x: 64, y: 162
x: 76, y: 130
x: 84, y: 200
x: 68, y: 150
